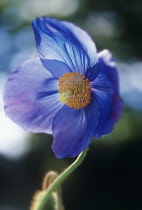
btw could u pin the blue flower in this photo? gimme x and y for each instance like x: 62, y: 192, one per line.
x: 70, y: 92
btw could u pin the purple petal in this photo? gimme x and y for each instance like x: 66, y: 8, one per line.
x: 108, y: 72
x: 114, y: 116
x: 73, y: 129
x: 65, y: 42
x: 31, y: 97
x: 106, y: 91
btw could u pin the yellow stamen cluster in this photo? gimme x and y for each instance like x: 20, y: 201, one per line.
x: 75, y: 90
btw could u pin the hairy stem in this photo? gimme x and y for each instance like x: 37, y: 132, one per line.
x: 61, y: 178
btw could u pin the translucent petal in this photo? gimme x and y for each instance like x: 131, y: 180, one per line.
x: 31, y: 97
x: 65, y: 42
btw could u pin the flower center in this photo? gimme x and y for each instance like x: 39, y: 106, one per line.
x: 75, y: 90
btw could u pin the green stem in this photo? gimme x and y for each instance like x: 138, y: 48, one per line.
x: 61, y: 178
x: 58, y: 198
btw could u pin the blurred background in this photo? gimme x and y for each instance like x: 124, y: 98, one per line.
x: 111, y: 175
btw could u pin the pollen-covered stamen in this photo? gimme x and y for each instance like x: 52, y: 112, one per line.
x: 75, y: 90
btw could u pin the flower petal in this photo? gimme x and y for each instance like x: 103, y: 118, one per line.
x: 87, y: 43
x: 106, y: 91
x: 107, y: 78
x: 57, y: 68
x: 65, y: 42
x: 31, y: 97
x: 73, y: 129
x: 93, y: 72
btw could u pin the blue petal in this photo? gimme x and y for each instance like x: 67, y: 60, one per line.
x: 108, y: 77
x: 31, y: 97
x: 73, y: 129
x: 57, y: 68
x: 93, y: 72
x: 106, y: 91
x: 65, y: 42
x: 114, y: 116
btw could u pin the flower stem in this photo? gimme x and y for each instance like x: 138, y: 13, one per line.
x: 61, y: 178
